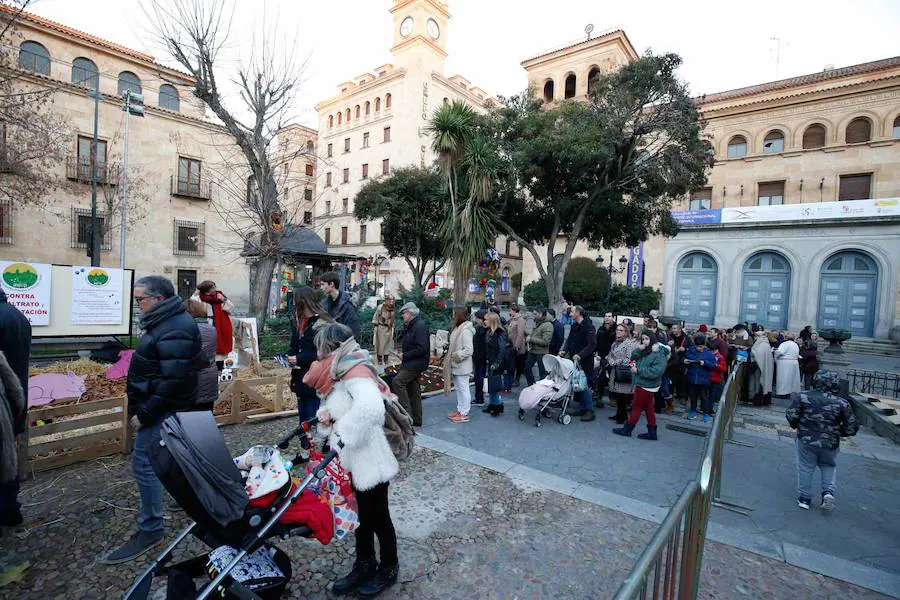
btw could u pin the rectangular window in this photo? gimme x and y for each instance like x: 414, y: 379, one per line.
x: 362, y: 234
x: 330, y: 150
x: 365, y: 171
x: 387, y: 134
x: 309, y: 170
x: 343, y: 236
x: 84, y: 159
x: 307, y: 195
x: 386, y: 166
x: 81, y: 229
x: 366, y: 140
x: 328, y: 179
x: 345, y: 204
x: 328, y: 207
x: 328, y: 236
x: 188, y: 176
x: 346, y: 175
x: 188, y: 238
x: 307, y: 217
x: 346, y: 145
x: 187, y: 282
x: 701, y: 199
x: 855, y: 187
x: 6, y: 231
x: 771, y: 193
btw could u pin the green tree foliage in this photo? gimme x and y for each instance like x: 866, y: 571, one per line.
x: 604, y: 171
x: 410, y: 205
x: 585, y: 284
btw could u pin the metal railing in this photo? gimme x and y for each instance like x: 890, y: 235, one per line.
x: 200, y: 189
x: 874, y: 382
x: 79, y: 169
x: 669, y: 567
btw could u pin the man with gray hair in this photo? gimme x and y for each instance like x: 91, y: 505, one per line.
x: 416, y: 351
x: 162, y: 379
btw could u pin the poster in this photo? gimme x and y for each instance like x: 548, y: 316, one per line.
x: 27, y: 287
x: 636, y: 267
x: 810, y: 211
x: 96, y: 296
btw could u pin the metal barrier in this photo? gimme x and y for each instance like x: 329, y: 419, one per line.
x: 874, y: 382
x: 669, y: 567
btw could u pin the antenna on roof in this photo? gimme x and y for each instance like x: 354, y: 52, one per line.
x: 589, y: 30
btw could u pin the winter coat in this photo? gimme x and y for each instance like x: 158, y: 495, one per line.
x: 15, y: 342
x: 605, y: 338
x: 675, y: 369
x: 620, y: 354
x: 559, y: 336
x: 416, y: 345
x: 820, y: 416
x: 462, y: 344
x: 383, y: 334
x: 357, y: 409
x: 304, y: 348
x: 479, y: 358
x: 515, y: 331
x: 495, y: 350
x: 12, y: 403
x: 162, y: 377
x: 809, y: 358
x: 583, y: 342
x: 698, y: 372
x: 542, y: 336
x: 650, y: 367
x: 761, y: 354
x: 715, y: 376
x: 207, y: 373
x: 343, y: 311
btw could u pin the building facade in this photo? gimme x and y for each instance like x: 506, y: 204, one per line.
x: 175, y: 227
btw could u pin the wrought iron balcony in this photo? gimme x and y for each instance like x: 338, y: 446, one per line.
x: 79, y: 169
x: 198, y: 189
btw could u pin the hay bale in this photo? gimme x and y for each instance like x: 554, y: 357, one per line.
x: 82, y: 367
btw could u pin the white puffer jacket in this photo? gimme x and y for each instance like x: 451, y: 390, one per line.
x: 357, y: 410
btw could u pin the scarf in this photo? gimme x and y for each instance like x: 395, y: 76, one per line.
x: 348, y: 361
x: 221, y: 321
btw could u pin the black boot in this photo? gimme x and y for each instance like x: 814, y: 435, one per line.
x: 489, y: 409
x: 650, y: 435
x: 496, y: 409
x: 384, y: 578
x: 362, y: 572
x: 625, y: 430
x: 621, y: 413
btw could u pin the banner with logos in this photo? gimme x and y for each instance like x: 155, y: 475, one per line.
x: 810, y: 211
x: 27, y: 287
x: 636, y: 267
x: 97, y: 296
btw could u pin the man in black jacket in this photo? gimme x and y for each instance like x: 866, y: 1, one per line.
x: 479, y: 358
x: 338, y: 304
x: 580, y: 347
x: 162, y: 379
x: 606, y: 335
x: 416, y: 351
x: 559, y: 332
x: 15, y: 343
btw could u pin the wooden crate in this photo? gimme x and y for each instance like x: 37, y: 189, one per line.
x: 232, y: 390
x: 80, y: 443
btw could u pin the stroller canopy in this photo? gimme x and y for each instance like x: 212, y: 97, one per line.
x: 558, y: 368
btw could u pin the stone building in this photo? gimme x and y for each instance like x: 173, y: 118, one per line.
x: 296, y: 160
x: 175, y: 158
x: 377, y: 122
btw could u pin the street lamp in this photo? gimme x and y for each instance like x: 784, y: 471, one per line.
x: 133, y: 105
x: 623, y: 264
x: 379, y: 260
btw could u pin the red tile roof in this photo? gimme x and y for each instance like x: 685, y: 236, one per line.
x: 811, y: 78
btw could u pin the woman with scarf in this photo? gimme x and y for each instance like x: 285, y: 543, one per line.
x: 353, y: 413
x: 458, y: 364
x: 218, y: 309
x: 383, y: 335
x: 302, y: 353
x: 621, y: 379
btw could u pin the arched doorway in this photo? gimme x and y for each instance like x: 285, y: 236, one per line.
x: 847, y: 291
x: 695, y: 299
x: 765, y: 290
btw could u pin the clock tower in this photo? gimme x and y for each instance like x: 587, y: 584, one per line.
x: 420, y: 34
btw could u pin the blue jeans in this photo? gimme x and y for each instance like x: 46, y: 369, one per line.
x: 307, y: 407
x: 150, y: 515
x: 534, y: 359
x: 808, y: 458
x: 495, y: 399
x: 715, y: 390
x: 665, y: 387
x: 585, y: 399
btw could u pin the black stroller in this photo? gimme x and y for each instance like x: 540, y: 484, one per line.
x: 246, y: 535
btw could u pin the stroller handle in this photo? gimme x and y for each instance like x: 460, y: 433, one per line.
x: 301, y: 429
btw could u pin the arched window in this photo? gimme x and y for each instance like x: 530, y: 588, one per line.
x: 571, y: 83
x: 330, y: 121
x: 593, y: 76
x: 368, y: 108
x: 347, y: 116
x: 548, y: 91
x: 34, y: 57
x: 340, y: 118
x: 859, y: 130
x: 814, y: 136
x: 504, y: 281
x: 737, y: 147
x: 129, y: 82
x: 168, y: 97
x: 896, y: 131
x: 377, y: 104
x: 310, y: 147
x: 357, y: 111
x: 387, y: 101
x: 84, y: 72
x: 773, y: 142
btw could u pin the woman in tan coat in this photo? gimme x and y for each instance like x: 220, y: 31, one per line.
x: 383, y: 341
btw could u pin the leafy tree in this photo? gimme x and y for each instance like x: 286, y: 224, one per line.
x: 410, y: 205
x: 584, y: 284
x: 633, y: 301
x: 605, y: 171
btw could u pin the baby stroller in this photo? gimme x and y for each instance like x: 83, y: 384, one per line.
x: 551, y: 394
x: 243, y: 537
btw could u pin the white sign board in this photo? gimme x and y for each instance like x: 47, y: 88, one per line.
x: 96, y: 296
x: 813, y: 211
x: 27, y: 287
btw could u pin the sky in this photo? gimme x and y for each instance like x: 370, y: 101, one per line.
x: 722, y: 48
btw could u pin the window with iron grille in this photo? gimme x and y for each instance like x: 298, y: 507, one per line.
x: 307, y: 217
x: 187, y: 282
x: 307, y: 195
x: 81, y: 228
x: 84, y: 159
x: 5, y: 222
x: 188, y: 238
x: 188, y: 176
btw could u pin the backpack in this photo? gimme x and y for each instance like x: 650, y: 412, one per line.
x: 398, y: 428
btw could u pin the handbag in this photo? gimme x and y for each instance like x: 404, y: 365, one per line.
x: 579, y: 380
x: 495, y: 384
x: 623, y: 374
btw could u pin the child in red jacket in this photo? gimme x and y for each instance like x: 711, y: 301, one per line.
x: 716, y: 375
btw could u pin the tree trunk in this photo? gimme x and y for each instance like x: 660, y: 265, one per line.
x: 460, y: 285
x: 260, y: 286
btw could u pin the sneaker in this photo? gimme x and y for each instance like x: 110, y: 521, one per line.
x: 453, y: 414
x: 803, y: 503
x: 706, y: 418
x: 827, y: 502
x: 691, y: 416
x: 588, y: 416
x: 384, y: 578
x: 460, y: 418
x: 140, y: 542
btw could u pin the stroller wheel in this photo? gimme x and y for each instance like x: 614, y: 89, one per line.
x: 521, y: 415
x: 564, y: 419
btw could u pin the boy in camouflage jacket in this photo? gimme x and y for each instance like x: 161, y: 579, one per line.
x: 821, y: 419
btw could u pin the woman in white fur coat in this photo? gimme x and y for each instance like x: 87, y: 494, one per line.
x: 352, y: 412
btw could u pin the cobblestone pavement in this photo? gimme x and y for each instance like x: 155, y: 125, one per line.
x: 465, y: 532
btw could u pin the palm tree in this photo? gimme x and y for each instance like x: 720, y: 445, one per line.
x: 470, y: 164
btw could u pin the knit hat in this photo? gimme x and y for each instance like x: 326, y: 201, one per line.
x: 703, y: 328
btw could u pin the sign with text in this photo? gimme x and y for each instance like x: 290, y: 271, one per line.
x: 96, y: 296
x: 810, y: 211
x: 27, y: 287
x: 636, y: 267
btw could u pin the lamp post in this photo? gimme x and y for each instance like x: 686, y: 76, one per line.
x: 378, y: 261
x: 94, y: 243
x: 134, y: 105
x: 610, y: 269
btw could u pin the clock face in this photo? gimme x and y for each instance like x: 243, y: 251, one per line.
x: 433, y: 30
x: 406, y: 26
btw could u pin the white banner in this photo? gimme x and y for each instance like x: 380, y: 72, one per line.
x: 97, y: 296
x: 27, y: 287
x: 813, y: 211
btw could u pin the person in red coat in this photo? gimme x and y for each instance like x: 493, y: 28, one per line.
x: 717, y: 375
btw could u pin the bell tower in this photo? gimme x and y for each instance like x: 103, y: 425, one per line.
x: 420, y: 34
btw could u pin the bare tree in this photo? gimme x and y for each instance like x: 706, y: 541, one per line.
x: 194, y: 33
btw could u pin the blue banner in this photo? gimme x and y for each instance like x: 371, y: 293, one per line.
x: 636, y: 267
x: 698, y: 217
